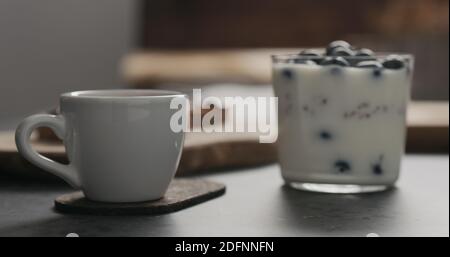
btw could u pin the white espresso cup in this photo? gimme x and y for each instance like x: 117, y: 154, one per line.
x: 119, y: 143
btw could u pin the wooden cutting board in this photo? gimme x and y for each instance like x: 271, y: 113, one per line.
x: 202, y: 152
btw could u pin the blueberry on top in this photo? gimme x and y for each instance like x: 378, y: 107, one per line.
x: 369, y: 64
x: 303, y: 61
x: 337, y: 43
x: 364, y: 52
x: 393, y: 62
x: 339, y: 61
x: 342, y: 165
x: 341, y: 51
x: 317, y: 60
x: 310, y: 52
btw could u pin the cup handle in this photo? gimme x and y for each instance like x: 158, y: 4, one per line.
x: 57, y: 124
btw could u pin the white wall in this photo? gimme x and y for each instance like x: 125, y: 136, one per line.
x: 52, y: 46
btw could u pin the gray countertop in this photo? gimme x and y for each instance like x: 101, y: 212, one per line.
x: 256, y: 204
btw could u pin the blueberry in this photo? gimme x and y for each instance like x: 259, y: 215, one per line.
x: 341, y: 51
x: 310, y: 52
x: 369, y: 64
x: 342, y: 166
x: 336, y: 71
x: 364, y: 52
x: 377, y: 169
x: 304, y: 61
x: 339, y: 61
x: 376, y: 66
x: 393, y: 62
x: 337, y: 43
x: 377, y: 73
x: 317, y: 60
x: 315, y: 55
x: 363, y: 105
x: 287, y: 73
x: 325, y: 135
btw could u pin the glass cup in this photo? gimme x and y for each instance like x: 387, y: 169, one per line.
x: 341, y: 129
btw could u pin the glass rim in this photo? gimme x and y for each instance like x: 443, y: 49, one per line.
x: 379, y: 55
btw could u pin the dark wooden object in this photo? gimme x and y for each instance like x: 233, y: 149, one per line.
x: 182, y: 193
x: 204, y: 24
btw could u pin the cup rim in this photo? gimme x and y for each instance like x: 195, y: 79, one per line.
x: 116, y: 94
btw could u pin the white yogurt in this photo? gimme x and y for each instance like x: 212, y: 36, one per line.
x: 341, y: 125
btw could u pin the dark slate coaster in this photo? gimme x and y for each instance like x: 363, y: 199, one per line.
x: 182, y: 193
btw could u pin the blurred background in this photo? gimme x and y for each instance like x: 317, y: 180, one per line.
x: 52, y: 46
x: 48, y: 47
